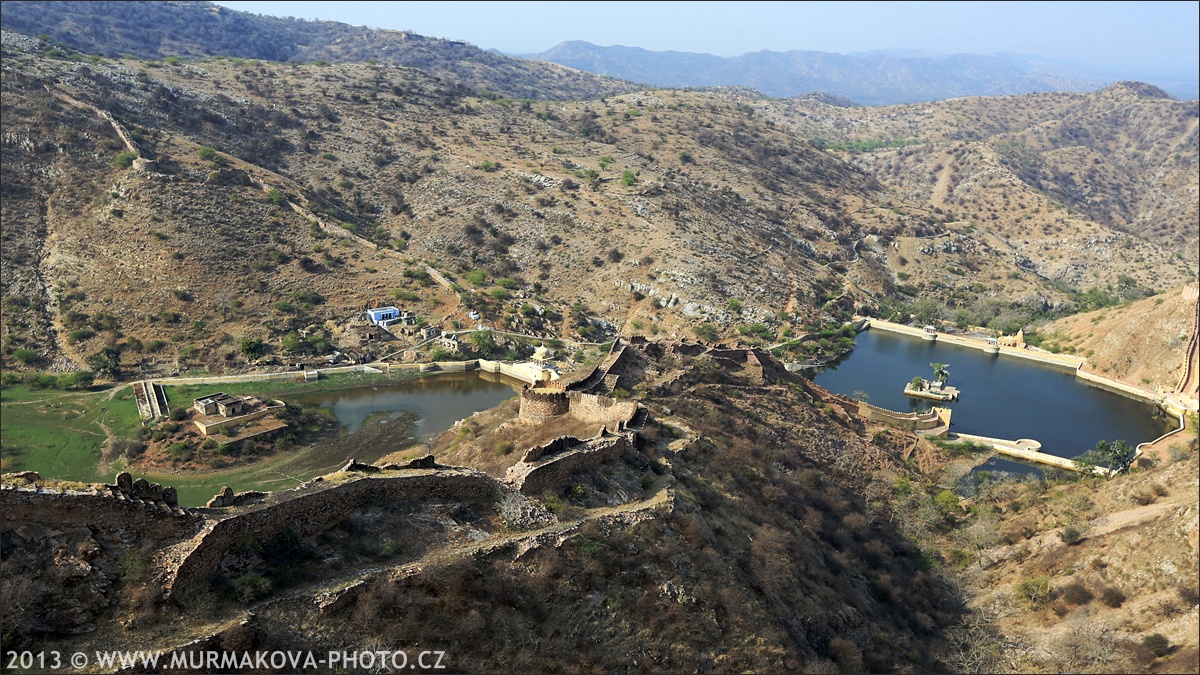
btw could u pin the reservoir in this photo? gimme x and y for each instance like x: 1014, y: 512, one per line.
x: 1001, y: 397
x: 376, y: 420
x: 438, y: 401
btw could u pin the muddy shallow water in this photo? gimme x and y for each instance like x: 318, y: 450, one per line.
x: 376, y: 420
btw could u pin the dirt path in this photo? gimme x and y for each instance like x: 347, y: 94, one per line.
x: 1135, y: 516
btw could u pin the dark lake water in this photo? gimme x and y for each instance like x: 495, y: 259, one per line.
x: 999, y: 396
x: 439, y: 401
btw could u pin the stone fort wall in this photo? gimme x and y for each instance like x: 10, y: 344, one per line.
x: 308, y: 513
x: 595, y: 409
x: 915, y: 421
x: 536, y: 478
x: 544, y: 403
x: 74, y: 509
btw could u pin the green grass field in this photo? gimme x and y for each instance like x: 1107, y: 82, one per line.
x: 62, y: 434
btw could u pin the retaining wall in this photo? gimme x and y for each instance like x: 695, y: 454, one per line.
x: 525, y: 372
x: 310, y: 513
x: 1028, y: 450
x: 1118, y: 387
x: 915, y: 421
x: 1059, y: 360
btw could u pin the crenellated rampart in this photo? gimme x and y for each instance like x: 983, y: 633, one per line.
x: 922, y: 421
x: 539, y: 404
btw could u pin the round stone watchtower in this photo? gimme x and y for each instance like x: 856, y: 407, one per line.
x: 543, y: 402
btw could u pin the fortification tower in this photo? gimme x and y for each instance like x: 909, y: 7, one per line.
x: 543, y: 402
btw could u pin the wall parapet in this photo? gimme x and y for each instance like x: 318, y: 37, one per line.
x: 532, y: 478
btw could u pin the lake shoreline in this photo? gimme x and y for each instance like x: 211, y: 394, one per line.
x: 1001, y: 398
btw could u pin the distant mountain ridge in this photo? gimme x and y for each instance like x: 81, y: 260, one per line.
x: 870, y: 78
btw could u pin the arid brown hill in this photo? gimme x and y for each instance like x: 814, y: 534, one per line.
x: 158, y: 30
x: 1033, y: 167
x: 275, y: 200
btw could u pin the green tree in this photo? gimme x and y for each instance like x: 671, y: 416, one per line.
x: 940, y: 372
x: 206, y: 153
x: 107, y: 361
x: 26, y: 356
x: 483, y: 342
x: 706, y: 331
x: 918, y: 384
x: 926, y: 311
x: 628, y: 178
x: 947, y: 502
x: 124, y: 160
x: 81, y: 379
x: 1035, y: 592
x: 251, y: 348
x: 290, y: 342
x: 1116, y: 456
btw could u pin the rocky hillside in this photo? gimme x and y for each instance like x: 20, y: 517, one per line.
x: 1087, y: 576
x: 1143, y: 343
x: 566, y: 206
x: 158, y: 30
x: 1047, y: 166
x: 273, y: 201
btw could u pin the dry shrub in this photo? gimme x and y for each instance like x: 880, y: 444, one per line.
x: 1157, y: 643
x: 820, y: 667
x: 1142, y: 496
x: 1189, y: 593
x: 1186, y: 660
x: 1112, y: 596
x: 847, y: 655
x: 856, y: 523
x: 1075, y: 593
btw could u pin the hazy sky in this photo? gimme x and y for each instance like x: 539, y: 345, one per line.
x: 1161, y: 34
